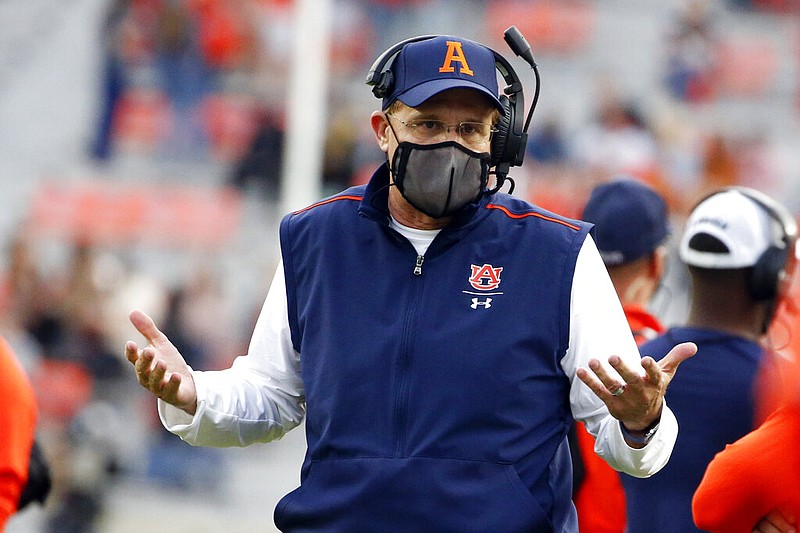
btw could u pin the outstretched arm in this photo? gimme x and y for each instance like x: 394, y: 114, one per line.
x: 598, y: 328
x: 160, y: 368
x: 258, y: 399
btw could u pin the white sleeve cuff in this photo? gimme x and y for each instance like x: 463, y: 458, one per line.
x: 638, y: 462
x: 177, y: 420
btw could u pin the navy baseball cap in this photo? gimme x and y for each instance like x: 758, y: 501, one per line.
x: 630, y: 220
x: 423, y: 69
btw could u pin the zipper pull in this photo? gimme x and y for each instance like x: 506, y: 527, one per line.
x: 418, y: 265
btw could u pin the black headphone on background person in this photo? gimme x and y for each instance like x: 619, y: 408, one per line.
x: 509, y: 142
x: 772, y: 270
x: 774, y: 267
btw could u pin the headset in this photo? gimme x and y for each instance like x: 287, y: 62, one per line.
x: 509, y: 142
x: 773, y: 269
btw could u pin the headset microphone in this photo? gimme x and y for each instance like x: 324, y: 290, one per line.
x: 519, y: 45
x: 508, y: 146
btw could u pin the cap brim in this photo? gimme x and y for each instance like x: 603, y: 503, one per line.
x: 736, y: 258
x: 418, y: 94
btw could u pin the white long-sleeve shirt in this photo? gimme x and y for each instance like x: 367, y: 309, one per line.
x: 261, y: 396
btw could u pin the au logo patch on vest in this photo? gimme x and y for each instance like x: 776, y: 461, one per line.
x: 455, y: 56
x: 485, y: 277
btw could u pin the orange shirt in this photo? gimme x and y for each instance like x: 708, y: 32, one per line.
x: 17, y: 427
x: 644, y: 326
x: 752, y: 476
x: 600, y: 499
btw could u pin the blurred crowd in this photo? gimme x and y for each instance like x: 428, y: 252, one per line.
x: 204, y: 81
x: 94, y: 423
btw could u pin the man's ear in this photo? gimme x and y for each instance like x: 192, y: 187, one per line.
x: 380, y: 125
x: 658, y: 263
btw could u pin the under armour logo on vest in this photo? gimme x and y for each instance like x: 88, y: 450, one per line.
x: 485, y: 277
x: 455, y: 54
x: 487, y: 303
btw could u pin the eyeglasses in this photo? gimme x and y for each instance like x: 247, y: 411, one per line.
x: 429, y: 130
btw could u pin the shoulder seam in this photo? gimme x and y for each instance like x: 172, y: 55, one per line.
x: 532, y: 214
x: 329, y: 200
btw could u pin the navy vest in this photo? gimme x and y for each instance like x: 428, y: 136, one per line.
x: 435, y: 398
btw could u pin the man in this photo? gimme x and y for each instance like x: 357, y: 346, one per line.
x: 18, y: 420
x: 757, y: 475
x: 631, y: 228
x: 436, y: 337
x: 728, y: 244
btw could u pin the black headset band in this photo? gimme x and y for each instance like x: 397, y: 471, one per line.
x: 379, y: 66
x: 384, y: 61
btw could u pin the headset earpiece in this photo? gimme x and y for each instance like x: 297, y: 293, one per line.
x: 771, y: 271
x: 765, y: 279
x: 500, y: 137
x: 509, y: 141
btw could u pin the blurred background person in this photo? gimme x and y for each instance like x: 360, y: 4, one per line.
x: 631, y: 230
x: 632, y: 226
x: 691, y: 64
x: 18, y: 417
x: 752, y: 484
x: 113, y: 81
x: 619, y: 139
x: 729, y: 244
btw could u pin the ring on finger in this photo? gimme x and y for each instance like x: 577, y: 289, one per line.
x: 618, y: 391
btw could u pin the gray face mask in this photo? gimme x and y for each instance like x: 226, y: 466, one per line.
x: 439, y: 179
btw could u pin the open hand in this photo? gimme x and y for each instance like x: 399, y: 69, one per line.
x: 160, y: 368
x: 637, y: 400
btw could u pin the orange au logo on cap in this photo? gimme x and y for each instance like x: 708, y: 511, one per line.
x: 455, y: 53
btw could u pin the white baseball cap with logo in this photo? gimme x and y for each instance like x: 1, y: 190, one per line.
x: 745, y: 229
